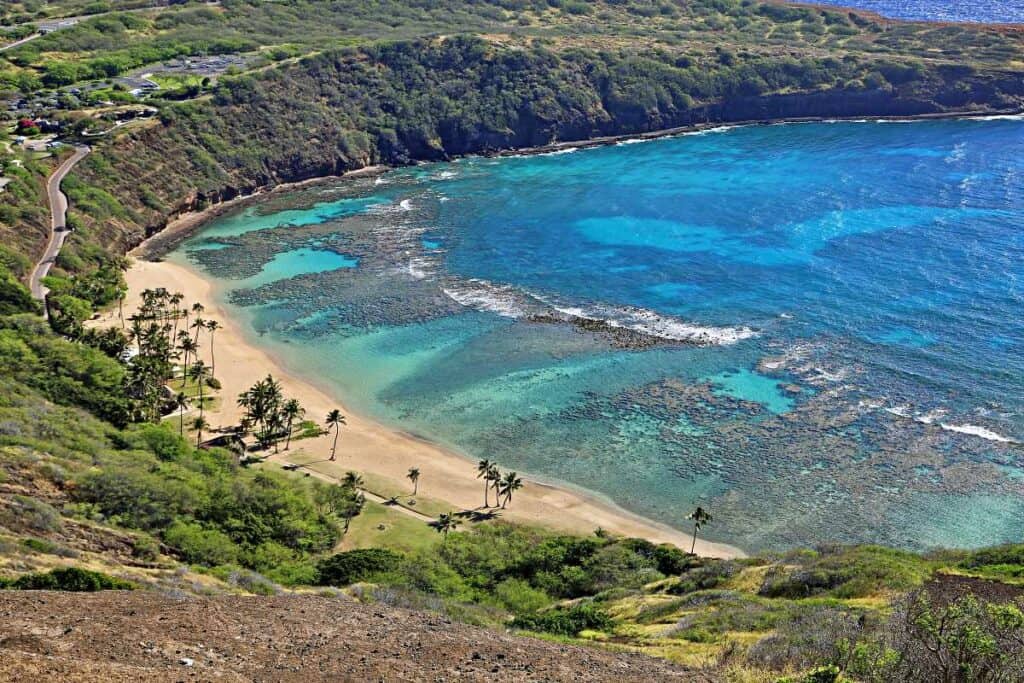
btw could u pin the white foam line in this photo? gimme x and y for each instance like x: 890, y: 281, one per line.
x: 975, y: 430
x: 486, y: 296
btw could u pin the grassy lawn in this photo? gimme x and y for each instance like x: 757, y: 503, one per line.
x: 383, y: 486
x: 380, y: 526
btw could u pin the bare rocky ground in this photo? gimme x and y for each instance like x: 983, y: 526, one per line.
x: 148, y: 636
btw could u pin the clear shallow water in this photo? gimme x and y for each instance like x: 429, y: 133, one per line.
x: 985, y: 11
x: 814, y: 330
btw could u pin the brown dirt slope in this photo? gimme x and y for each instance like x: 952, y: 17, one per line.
x: 147, y: 636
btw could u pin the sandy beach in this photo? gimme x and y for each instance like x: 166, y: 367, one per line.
x: 371, y: 448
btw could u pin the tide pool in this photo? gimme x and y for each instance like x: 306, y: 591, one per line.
x: 774, y: 322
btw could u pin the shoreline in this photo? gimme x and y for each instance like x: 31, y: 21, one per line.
x: 183, y: 225
x: 553, y: 504
x: 369, y: 446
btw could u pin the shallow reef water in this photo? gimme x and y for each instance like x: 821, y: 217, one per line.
x: 813, y: 330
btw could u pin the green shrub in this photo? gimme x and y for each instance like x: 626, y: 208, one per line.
x: 566, y: 622
x: 848, y: 572
x: 356, y: 565
x: 68, y: 579
x: 199, y: 545
x: 520, y: 597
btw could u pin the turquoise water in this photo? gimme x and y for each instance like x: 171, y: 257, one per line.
x: 813, y: 330
x: 986, y: 11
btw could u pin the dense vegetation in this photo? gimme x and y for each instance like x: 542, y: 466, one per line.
x: 200, y: 504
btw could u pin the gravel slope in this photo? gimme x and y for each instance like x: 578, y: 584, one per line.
x: 147, y: 636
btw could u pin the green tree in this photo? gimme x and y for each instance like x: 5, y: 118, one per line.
x: 446, y: 523
x: 292, y: 411
x: 198, y: 372
x: 199, y: 424
x: 508, y: 485
x: 211, y: 327
x: 483, y: 471
x: 334, y: 420
x: 699, y: 517
x: 181, y: 401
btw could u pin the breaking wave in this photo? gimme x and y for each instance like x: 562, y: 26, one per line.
x: 512, y: 302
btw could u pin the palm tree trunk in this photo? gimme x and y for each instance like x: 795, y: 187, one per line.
x: 487, y: 491
x: 415, y: 486
x: 334, y: 447
x: 213, y: 361
x: 288, y: 442
x: 694, y: 544
x: 181, y: 417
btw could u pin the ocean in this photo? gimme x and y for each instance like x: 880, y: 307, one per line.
x: 813, y: 330
x: 985, y: 11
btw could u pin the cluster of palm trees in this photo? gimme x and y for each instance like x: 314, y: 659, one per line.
x: 166, y: 335
x: 269, y: 414
x: 504, y: 485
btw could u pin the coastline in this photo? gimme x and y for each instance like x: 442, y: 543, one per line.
x: 368, y: 446
x: 386, y: 450
x: 181, y: 226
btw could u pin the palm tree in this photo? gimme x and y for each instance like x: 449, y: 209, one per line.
x: 181, y: 400
x: 212, y: 326
x: 700, y: 517
x: 351, y: 480
x: 508, y: 485
x: 175, y: 300
x: 414, y: 477
x: 483, y: 471
x: 198, y: 324
x: 199, y: 424
x: 188, y: 347
x: 198, y: 372
x: 494, y: 478
x: 292, y: 411
x: 335, y: 419
x: 445, y: 523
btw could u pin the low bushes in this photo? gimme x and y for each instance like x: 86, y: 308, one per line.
x: 846, y: 572
x: 356, y: 565
x: 566, y: 622
x: 67, y: 579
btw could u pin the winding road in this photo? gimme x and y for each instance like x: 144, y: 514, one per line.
x: 58, y: 223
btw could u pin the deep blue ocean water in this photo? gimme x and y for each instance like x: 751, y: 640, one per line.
x: 986, y: 11
x: 813, y: 330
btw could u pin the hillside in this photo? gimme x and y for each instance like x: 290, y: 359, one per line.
x: 133, y: 636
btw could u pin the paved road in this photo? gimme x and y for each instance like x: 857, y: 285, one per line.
x: 16, y: 43
x: 58, y: 223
